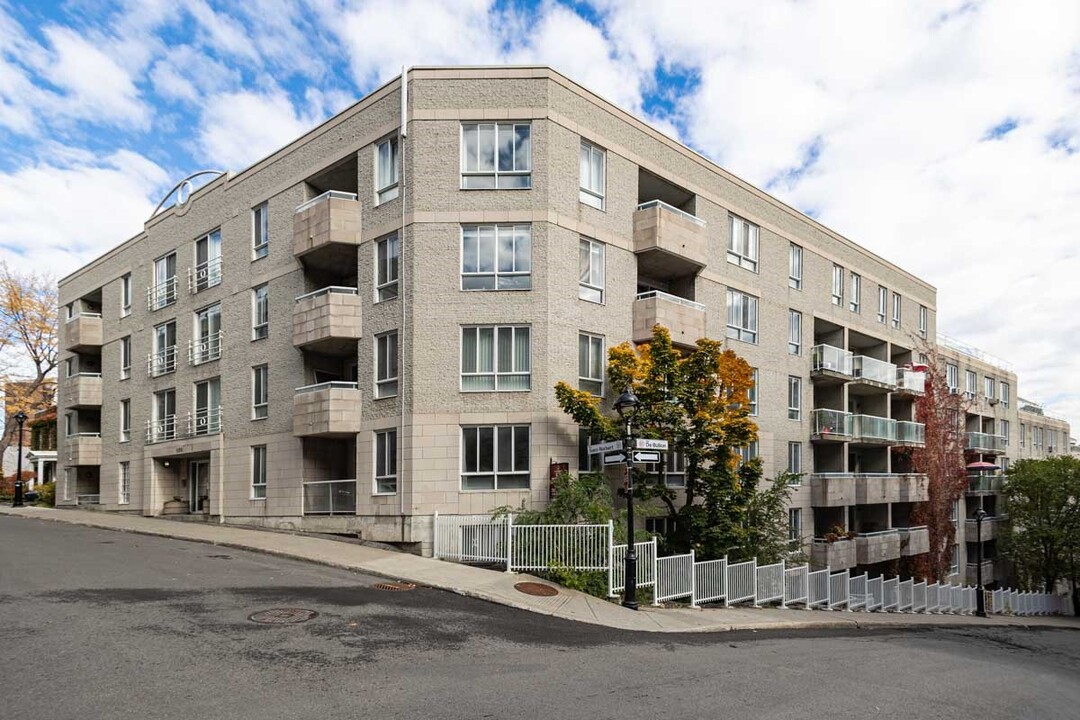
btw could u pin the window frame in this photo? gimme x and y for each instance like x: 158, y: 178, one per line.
x: 795, y: 452
x: 588, y: 195
x: 752, y: 393
x: 262, y: 407
x: 989, y: 386
x: 125, y: 420
x: 674, y: 461
x: 125, y: 294
x: 385, y: 440
x: 125, y: 357
x: 795, y: 266
x: 924, y: 320
x: 794, y: 332
x: 495, y: 373
x: 123, y: 483
x: 260, y: 230
x: 584, y: 378
x: 883, y: 304
x: 795, y: 527
x: 496, y: 274
x: 384, y: 284
x: 389, y: 189
x: 971, y: 384
x: 258, y: 472
x: 897, y: 310
x: 386, y: 349
x: 749, y: 306
x: 838, y: 285
x: 260, y: 330
x: 589, y: 290
x: 794, y: 393
x: 496, y: 173
x: 495, y: 473
x: 855, y: 300
x: 746, y: 251
x: 952, y: 376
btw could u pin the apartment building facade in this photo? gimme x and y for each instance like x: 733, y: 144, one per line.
x: 365, y: 327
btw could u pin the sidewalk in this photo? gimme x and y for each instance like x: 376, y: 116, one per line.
x: 498, y: 587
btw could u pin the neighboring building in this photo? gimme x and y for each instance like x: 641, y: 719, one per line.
x: 42, y: 455
x: 365, y: 328
x: 1041, y: 434
x: 17, y: 395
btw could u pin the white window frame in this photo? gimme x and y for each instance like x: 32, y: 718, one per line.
x: 258, y: 472
x: 519, y: 177
x: 743, y: 243
x: 989, y: 385
x: 924, y: 320
x: 748, y: 452
x: 752, y: 393
x: 795, y: 266
x: 493, y: 236
x: 123, y: 483
x: 69, y: 424
x: 593, y: 175
x: 164, y: 357
x: 674, y: 468
x: 387, y: 157
x: 1003, y: 430
x: 838, y: 285
x: 855, y: 301
x: 164, y: 291
x: 206, y: 274
x: 260, y: 406
x: 125, y: 357
x: 897, y: 302
x: 386, y: 377
x: 952, y: 376
x: 125, y: 420
x: 794, y: 397
x: 1023, y: 433
x: 742, y: 316
x: 388, y: 268
x: 69, y: 367
x: 794, y: 460
x: 1003, y: 393
x: 795, y: 527
x: 954, y: 562
x: 260, y: 330
x: 971, y: 384
x: 882, y: 304
x: 125, y: 295
x: 496, y: 456
x: 385, y: 478
x: 591, y: 376
x: 592, y: 277
x: 495, y: 373
x: 794, y: 346
x: 260, y: 231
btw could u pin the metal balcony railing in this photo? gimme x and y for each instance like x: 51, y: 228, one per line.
x: 205, y: 349
x: 161, y: 429
x: 667, y: 297
x: 204, y: 421
x: 161, y: 362
x: 984, y: 483
x: 204, y: 275
x: 161, y: 295
x: 331, y: 289
x: 672, y: 209
x: 872, y: 369
x: 832, y: 359
x: 871, y: 427
x: 338, y: 194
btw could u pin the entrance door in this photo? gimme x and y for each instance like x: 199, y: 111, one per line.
x: 198, y: 485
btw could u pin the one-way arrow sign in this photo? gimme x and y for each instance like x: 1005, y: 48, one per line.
x: 646, y: 456
x: 615, y: 459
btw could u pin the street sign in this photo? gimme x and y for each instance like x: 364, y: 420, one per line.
x: 650, y: 444
x: 615, y: 459
x: 646, y: 456
x: 605, y: 447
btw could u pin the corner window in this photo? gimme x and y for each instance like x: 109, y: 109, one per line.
x: 591, y: 270
x: 495, y: 358
x: 743, y: 243
x: 591, y: 363
x: 386, y: 364
x: 795, y: 267
x: 838, y: 285
x: 386, y: 462
x: 387, y: 161
x: 856, y: 293
x: 592, y: 175
x: 495, y: 457
x: 496, y: 257
x: 742, y: 316
x: 260, y: 231
x: 794, y: 346
x: 258, y: 472
x: 794, y: 411
x: 496, y: 156
x: 260, y: 312
x: 260, y: 392
x: 387, y: 260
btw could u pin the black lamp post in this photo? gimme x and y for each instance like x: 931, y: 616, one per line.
x: 20, y: 417
x: 980, y: 598
x: 626, y: 405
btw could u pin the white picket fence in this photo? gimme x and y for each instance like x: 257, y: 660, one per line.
x: 481, y: 539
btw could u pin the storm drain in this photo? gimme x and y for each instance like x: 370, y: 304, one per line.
x: 282, y: 616
x: 394, y: 586
x: 535, y: 588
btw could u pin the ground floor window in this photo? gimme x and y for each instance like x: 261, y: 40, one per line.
x: 258, y: 472
x: 125, y: 483
x: 495, y: 457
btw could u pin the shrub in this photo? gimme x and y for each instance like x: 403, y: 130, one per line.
x: 46, y: 494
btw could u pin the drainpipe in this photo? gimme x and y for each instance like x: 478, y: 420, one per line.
x: 402, y: 132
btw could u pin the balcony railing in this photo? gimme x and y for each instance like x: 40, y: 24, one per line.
x: 870, y: 428
x: 985, y: 442
x: 161, y: 362
x: 990, y: 526
x: 205, y: 349
x: 826, y: 358
x: 330, y: 497
x: 837, y: 554
x: 330, y: 409
x: 328, y: 320
x: 873, y: 370
x: 685, y: 319
x: 161, y: 295
x: 911, y: 381
x: 672, y: 209
x: 878, y: 546
x: 914, y: 540
x: 83, y: 331
x: 161, y: 429
x: 984, y: 484
x: 910, y: 433
x: 82, y: 390
x: 830, y: 424
x: 204, y: 421
x: 325, y: 225
x: 204, y: 275
x: 328, y: 195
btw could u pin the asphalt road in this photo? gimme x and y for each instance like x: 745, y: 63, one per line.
x: 100, y: 624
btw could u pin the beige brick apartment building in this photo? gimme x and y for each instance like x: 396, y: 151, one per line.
x: 364, y: 328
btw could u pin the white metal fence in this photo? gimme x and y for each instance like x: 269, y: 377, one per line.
x: 483, y: 539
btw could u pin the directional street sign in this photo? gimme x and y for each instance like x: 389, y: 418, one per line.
x: 607, y: 447
x: 616, y: 459
x: 646, y: 456
x: 650, y: 444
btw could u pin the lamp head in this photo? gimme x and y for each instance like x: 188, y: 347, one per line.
x: 20, y: 417
x: 627, y: 404
x: 980, y: 514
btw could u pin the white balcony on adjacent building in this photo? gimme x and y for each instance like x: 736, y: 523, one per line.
x: 871, y: 374
x: 830, y: 364
x: 83, y: 332
x: 830, y: 425
x: 330, y: 409
x: 684, y: 319
x: 986, y: 443
x: 873, y: 430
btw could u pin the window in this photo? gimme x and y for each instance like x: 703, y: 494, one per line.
x: 747, y: 453
x: 952, y: 376
x: 1004, y: 393
x: 387, y: 160
x: 1004, y: 462
x: 258, y: 472
x: 163, y: 359
x: 124, y: 484
x: 660, y: 525
x: 954, y: 562
x: 591, y: 270
x: 207, y: 271
x: 588, y: 462
x: 495, y: 457
x: 794, y: 345
x: 125, y: 357
x: 794, y: 461
x: 207, y: 343
x: 163, y: 426
x: 674, y: 474
x: 837, y: 285
x: 742, y: 316
x: 125, y: 295
x: 1003, y: 430
x: 260, y: 231
x: 743, y: 243
x: 882, y: 304
x: 386, y: 364
x: 69, y: 424
x: 260, y: 392
x: 591, y: 363
x: 592, y: 175
x: 795, y: 266
x: 495, y: 358
x: 924, y: 320
x: 794, y: 409
x: 856, y: 293
x: 496, y: 257
x: 988, y: 387
x: 69, y: 367
x: 386, y: 462
x: 207, y: 417
x: 387, y: 257
x: 125, y: 420
x: 955, y: 511
x: 496, y: 156
x: 795, y: 527
x: 896, y: 301
x: 163, y: 291
x: 753, y: 392
x: 1023, y: 433
x: 971, y: 383
x: 260, y: 312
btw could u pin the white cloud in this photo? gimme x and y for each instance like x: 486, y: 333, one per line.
x: 239, y: 128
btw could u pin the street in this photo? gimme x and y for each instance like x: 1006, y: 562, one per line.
x: 101, y: 624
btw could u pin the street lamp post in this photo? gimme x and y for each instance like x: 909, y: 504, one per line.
x: 20, y: 417
x: 626, y: 405
x: 980, y: 597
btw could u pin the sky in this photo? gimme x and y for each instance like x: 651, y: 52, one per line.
x: 944, y: 136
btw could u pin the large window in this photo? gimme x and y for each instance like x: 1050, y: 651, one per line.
x: 387, y: 257
x: 753, y: 392
x: 794, y: 410
x: 1003, y: 430
x: 124, y: 484
x: 207, y: 418
x: 260, y: 392
x: 924, y: 321
x: 855, y: 302
x: 591, y: 270
x: 747, y: 452
x: 795, y: 266
x: 1004, y: 388
x: 496, y: 156
x: 386, y: 364
x: 952, y: 376
x: 260, y: 231
x: 207, y: 271
x: 674, y: 464
x: 742, y: 316
x: 387, y: 161
x: 592, y: 175
x: 896, y: 303
x: 260, y: 312
x: 163, y: 291
x: 125, y: 420
x: 495, y: 358
x: 386, y: 462
x: 125, y: 295
x: 794, y: 345
x: 206, y: 345
x: 795, y: 527
x: 1023, y: 434
x: 837, y: 285
x: 988, y: 387
x: 971, y: 383
x: 794, y: 460
x: 742, y: 243
x: 163, y: 426
x: 258, y: 472
x: 125, y: 357
x: 882, y: 304
x: 496, y: 257
x: 495, y: 457
x: 163, y: 359
x: 591, y: 363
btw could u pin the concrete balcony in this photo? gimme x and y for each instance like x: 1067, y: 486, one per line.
x: 829, y: 364
x: 328, y: 321
x: 838, y: 555
x: 326, y: 230
x: 669, y: 242
x: 873, y: 430
x: 82, y: 449
x: 870, y: 375
x: 83, y: 332
x: 910, y: 434
x: 684, y: 319
x: 914, y: 540
x: 830, y: 425
x: 81, y: 391
x: 986, y: 443
x: 913, y: 488
x: 991, y: 528
x: 875, y: 547
x: 984, y: 484
x: 329, y: 409
x: 910, y: 382
x: 832, y: 489
x: 876, y: 488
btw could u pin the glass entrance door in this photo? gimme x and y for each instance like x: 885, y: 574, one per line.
x: 199, y: 486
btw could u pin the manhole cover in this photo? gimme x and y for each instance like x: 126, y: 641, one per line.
x: 282, y: 616
x: 395, y: 586
x: 534, y: 588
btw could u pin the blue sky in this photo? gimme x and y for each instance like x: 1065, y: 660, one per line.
x: 944, y: 136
